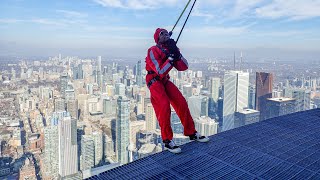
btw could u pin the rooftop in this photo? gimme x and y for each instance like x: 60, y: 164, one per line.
x: 282, y: 99
x: 285, y: 147
x: 249, y: 111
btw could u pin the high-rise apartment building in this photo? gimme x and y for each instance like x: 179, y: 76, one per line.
x: 59, y: 105
x: 63, y: 84
x: 120, y: 89
x: 151, y: 119
x: 68, y: 148
x: 72, y: 108
x: 122, y: 129
x: 87, y: 152
x: 51, y: 157
x: 98, y: 148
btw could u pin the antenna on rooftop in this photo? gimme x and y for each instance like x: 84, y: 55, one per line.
x: 234, y: 60
x: 240, y: 60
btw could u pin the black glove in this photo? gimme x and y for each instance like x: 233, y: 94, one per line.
x: 173, y: 49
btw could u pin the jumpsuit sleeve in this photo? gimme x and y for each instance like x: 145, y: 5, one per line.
x: 154, y: 61
x: 181, y: 64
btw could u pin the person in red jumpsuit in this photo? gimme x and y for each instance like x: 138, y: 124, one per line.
x: 160, y: 60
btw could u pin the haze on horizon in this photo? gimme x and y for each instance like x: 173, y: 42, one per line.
x: 261, y: 29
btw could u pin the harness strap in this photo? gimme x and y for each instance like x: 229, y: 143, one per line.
x: 153, y: 80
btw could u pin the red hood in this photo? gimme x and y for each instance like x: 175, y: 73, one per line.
x: 156, y: 34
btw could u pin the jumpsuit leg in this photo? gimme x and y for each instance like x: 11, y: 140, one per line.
x: 180, y: 105
x: 161, y: 105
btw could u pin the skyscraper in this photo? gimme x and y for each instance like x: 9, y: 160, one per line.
x: 263, y: 91
x: 59, y: 105
x: 280, y: 106
x: 206, y: 126
x: 72, y: 108
x: 214, y: 89
x: 198, y: 106
x: 68, y: 149
x: 99, y: 73
x: 63, y: 84
x: 122, y: 129
x: 80, y: 71
x: 236, y: 88
x: 138, y: 74
x: 120, y: 89
x: 248, y: 116
x: 176, y: 124
x: 151, y: 119
x: 98, y: 147
x: 51, y: 157
x: 69, y: 93
x: 87, y: 152
x: 302, y: 97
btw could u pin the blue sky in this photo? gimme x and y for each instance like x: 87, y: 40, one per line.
x: 113, y: 27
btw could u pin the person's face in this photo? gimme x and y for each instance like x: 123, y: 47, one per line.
x: 163, y: 36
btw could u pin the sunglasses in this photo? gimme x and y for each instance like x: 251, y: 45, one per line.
x: 164, y: 33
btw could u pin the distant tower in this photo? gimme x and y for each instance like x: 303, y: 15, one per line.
x: 13, y: 73
x: 59, y: 105
x: 234, y: 61
x: 72, y: 108
x: 214, y: 89
x: 99, y: 73
x: 264, y: 83
x: 122, y: 129
x: 240, y: 61
x: 236, y: 96
x: 139, y: 74
x: 120, y: 89
x: 63, y: 84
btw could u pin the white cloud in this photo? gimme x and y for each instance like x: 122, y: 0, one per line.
x: 204, y: 14
x: 72, y: 14
x: 243, y: 6
x: 42, y: 21
x: 219, y: 30
x: 137, y: 4
x: 9, y: 21
x: 293, y: 9
x: 45, y: 22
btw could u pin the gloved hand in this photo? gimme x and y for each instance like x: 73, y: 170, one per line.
x: 173, y: 49
x: 172, y: 46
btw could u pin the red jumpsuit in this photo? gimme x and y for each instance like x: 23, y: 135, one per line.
x: 164, y: 92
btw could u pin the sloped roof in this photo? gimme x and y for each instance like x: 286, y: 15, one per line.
x: 286, y: 147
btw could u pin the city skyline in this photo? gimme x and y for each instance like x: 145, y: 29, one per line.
x: 73, y: 117
x: 260, y: 28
